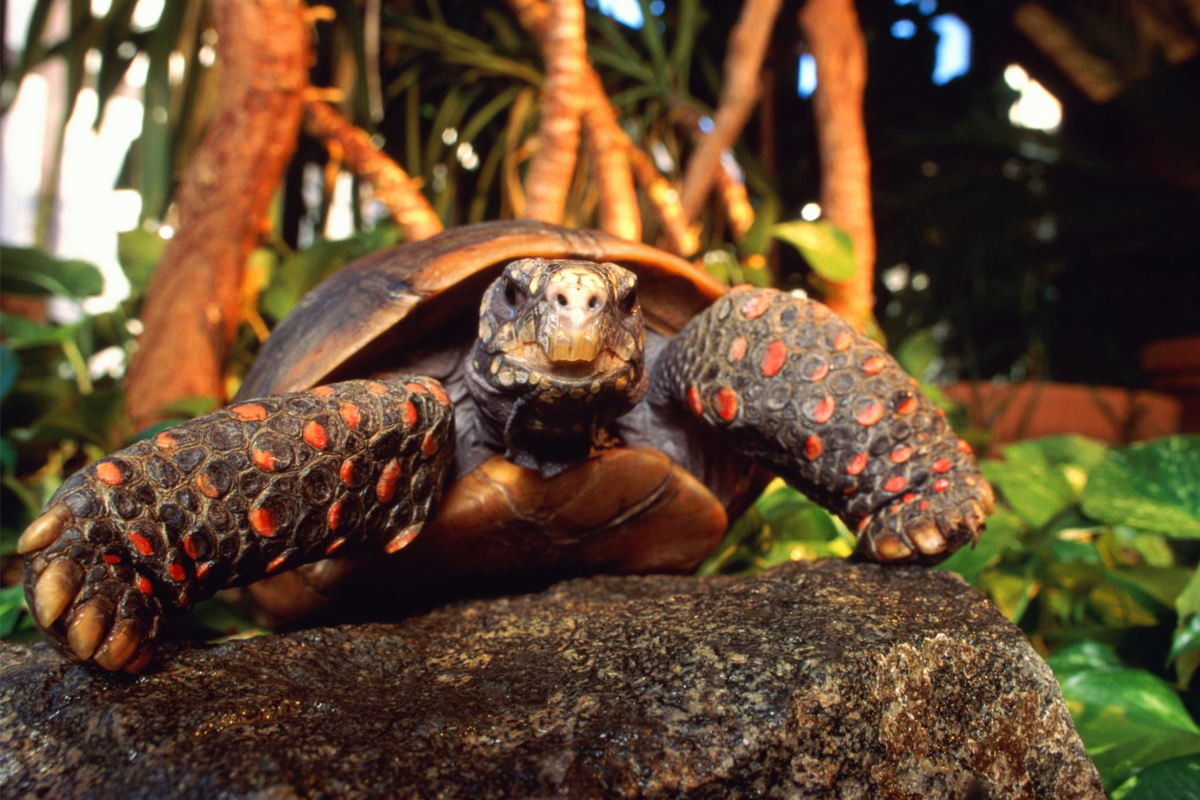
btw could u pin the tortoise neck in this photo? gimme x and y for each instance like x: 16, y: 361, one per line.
x: 548, y: 431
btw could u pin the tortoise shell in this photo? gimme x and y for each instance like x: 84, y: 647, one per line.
x: 392, y: 299
x: 413, y: 309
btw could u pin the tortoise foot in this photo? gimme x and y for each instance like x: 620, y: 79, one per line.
x: 87, y: 600
x: 927, y: 527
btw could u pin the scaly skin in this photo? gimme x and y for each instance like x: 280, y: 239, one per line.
x: 796, y: 388
x: 227, y: 499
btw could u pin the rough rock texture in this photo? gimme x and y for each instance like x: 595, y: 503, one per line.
x: 811, y: 680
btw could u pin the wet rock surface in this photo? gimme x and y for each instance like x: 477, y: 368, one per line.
x: 811, y: 680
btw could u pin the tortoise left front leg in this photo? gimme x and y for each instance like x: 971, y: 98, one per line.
x: 793, y: 386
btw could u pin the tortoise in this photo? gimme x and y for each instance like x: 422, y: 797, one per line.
x: 605, y: 407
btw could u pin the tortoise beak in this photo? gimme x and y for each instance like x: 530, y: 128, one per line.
x: 576, y: 320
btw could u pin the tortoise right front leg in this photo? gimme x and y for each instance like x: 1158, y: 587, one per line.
x: 226, y: 499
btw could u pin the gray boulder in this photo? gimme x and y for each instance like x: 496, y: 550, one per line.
x: 810, y: 680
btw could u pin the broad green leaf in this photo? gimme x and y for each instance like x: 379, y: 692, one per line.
x: 1174, y: 779
x: 20, y: 333
x: 1081, y: 657
x: 139, y: 252
x: 26, y: 270
x: 1068, y: 450
x: 1128, y: 719
x: 1033, y: 490
x: 1154, y: 486
x: 1155, y: 588
x: 9, y: 369
x: 1186, y: 639
x: 828, y: 249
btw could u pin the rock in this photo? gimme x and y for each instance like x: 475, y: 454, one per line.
x: 811, y: 680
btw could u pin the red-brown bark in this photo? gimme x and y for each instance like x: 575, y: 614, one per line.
x: 549, y: 176
x: 605, y: 141
x: 836, y: 42
x: 191, y: 310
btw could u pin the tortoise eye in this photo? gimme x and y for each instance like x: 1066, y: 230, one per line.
x: 512, y: 295
x: 629, y: 301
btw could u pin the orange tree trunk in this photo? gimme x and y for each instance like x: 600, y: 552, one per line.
x: 191, y: 309
x: 835, y: 40
x: 553, y: 166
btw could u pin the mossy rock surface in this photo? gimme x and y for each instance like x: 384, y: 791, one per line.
x: 810, y: 680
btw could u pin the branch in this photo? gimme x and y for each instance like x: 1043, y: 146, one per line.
x: 392, y: 186
x: 836, y: 42
x: 191, y: 309
x: 549, y: 177
x: 728, y: 180
x: 739, y: 92
x: 682, y: 238
x: 606, y: 143
x: 1093, y: 75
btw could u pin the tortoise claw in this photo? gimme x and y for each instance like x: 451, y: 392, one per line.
x: 44, y: 530
x: 120, y: 647
x: 926, y: 536
x: 87, y: 628
x: 55, y: 590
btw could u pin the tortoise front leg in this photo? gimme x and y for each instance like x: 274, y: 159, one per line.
x: 226, y: 499
x: 795, y: 387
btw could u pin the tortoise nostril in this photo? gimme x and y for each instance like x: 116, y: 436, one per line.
x: 593, y: 301
x: 562, y: 299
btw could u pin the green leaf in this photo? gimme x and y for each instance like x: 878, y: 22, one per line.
x: 918, y: 353
x: 1066, y: 451
x: 1081, y: 657
x: 8, y: 457
x: 217, y: 620
x: 1004, y: 529
x: 1186, y: 639
x: 1034, y: 491
x: 1174, y: 779
x: 12, y: 606
x: 300, y: 272
x: 26, y: 270
x: 9, y: 369
x: 1188, y: 602
x: 1128, y: 719
x: 828, y: 249
x: 139, y: 252
x: 20, y: 333
x: 155, y: 145
x: 1154, y: 486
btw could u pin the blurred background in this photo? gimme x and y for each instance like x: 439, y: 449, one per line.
x: 1006, y: 193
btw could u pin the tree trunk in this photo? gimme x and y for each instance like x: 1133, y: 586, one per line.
x: 549, y: 176
x: 835, y: 40
x: 191, y: 310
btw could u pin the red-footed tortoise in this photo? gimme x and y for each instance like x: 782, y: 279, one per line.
x: 606, y: 408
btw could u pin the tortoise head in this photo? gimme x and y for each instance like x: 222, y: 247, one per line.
x: 560, y: 350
